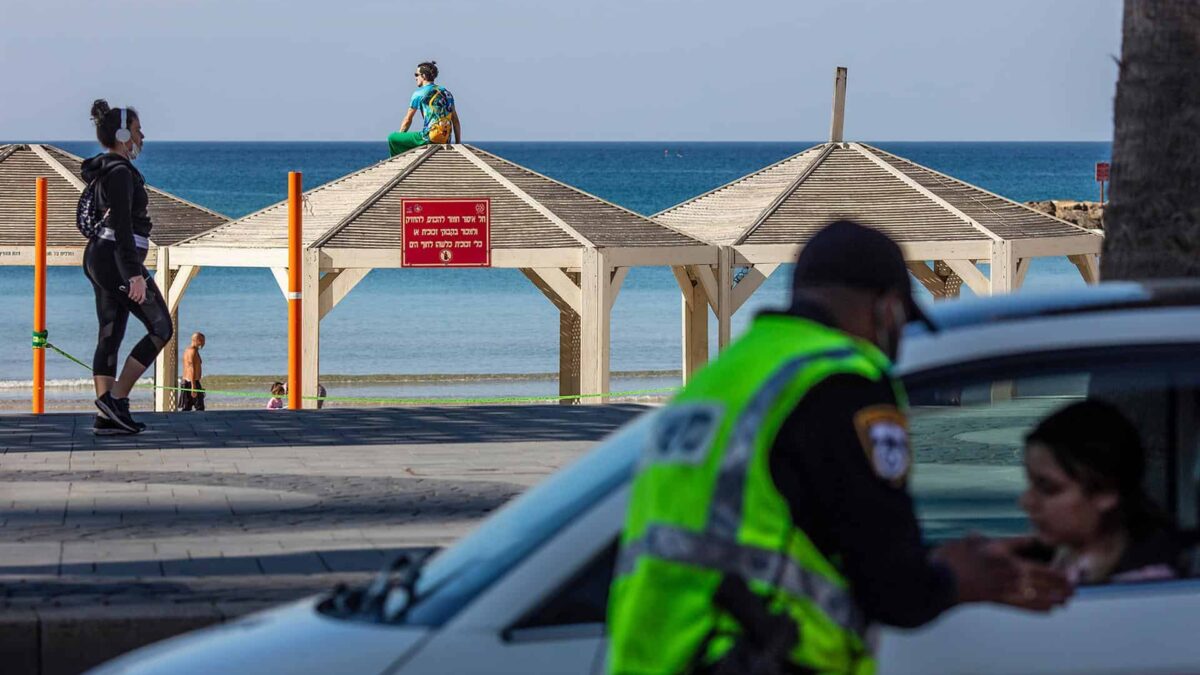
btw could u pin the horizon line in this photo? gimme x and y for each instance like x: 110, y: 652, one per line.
x: 691, y: 142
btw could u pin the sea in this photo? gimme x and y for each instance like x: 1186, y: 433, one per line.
x: 463, y: 334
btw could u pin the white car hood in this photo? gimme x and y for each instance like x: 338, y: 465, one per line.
x: 293, y: 639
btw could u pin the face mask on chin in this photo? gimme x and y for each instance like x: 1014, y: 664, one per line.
x: 135, y: 149
x: 888, y: 339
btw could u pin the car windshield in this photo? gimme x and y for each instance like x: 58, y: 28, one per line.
x: 454, y: 577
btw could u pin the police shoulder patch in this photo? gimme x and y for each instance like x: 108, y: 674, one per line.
x: 883, y: 432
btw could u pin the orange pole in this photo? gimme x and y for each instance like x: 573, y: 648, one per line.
x: 295, y: 348
x: 39, y: 295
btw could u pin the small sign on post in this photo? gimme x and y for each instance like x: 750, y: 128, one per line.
x: 1102, y: 177
x: 446, y: 233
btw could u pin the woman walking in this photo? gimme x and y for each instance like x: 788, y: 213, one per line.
x: 113, y: 262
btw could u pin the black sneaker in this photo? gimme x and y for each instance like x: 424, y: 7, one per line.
x: 117, y: 413
x: 102, y: 426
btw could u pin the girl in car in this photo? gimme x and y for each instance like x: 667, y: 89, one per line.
x: 1085, y: 499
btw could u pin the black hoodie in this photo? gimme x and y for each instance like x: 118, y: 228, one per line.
x: 123, y: 194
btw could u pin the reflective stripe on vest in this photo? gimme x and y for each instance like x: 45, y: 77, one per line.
x: 725, y: 512
x: 749, y: 562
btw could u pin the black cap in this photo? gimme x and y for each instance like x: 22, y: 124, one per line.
x: 845, y: 253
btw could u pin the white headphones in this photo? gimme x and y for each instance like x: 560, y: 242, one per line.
x: 123, y: 135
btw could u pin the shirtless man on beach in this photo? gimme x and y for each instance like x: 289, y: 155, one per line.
x: 191, y: 375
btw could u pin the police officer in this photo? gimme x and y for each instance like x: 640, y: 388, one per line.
x: 769, y: 524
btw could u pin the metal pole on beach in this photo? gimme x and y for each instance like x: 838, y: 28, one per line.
x: 295, y: 228
x: 39, y: 296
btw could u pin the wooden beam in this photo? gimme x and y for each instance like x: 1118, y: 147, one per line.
x: 510, y: 258
x: 556, y: 281
x: 928, y: 278
x: 1022, y: 270
x: 1044, y: 247
x: 657, y: 256
x: 180, y: 280
x: 281, y: 279
x: 971, y: 276
x: 569, y: 348
x: 166, y: 364
x: 724, y: 297
x: 952, y: 282
x: 918, y: 250
x: 686, y: 285
x: 618, y: 278
x: 1088, y: 266
x: 750, y: 283
x: 229, y: 257
x: 694, y: 319
x: 708, y: 281
x: 595, y: 325
x: 310, y: 331
x: 336, y: 285
x: 839, y: 105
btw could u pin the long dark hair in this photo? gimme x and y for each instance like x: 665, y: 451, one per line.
x: 1096, y: 445
x: 108, y: 120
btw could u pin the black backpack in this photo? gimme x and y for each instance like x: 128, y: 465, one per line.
x: 89, y: 219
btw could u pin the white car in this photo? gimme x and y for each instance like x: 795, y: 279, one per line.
x: 526, y: 592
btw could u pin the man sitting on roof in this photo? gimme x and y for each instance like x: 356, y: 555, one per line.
x: 437, y: 109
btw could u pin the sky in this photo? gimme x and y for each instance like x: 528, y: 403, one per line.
x: 571, y: 70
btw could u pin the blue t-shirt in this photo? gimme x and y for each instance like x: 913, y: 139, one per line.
x: 435, y: 103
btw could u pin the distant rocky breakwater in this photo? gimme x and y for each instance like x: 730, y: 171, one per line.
x: 1083, y: 214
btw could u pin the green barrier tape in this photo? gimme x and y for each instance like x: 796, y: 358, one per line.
x: 406, y: 401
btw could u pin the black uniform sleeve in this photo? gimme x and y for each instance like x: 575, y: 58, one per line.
x: 853, y: 502
x: 118, y: 197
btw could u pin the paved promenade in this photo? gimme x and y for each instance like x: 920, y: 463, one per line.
x: 208, y: 515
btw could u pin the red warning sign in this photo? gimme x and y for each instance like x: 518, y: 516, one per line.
x: 446, y: 233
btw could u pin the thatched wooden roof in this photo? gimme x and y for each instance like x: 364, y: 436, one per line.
x: 529, y: 210
x: 174, y: 219
x: 787, y: 202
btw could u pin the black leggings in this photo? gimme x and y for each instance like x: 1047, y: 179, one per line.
x: 113, y: 308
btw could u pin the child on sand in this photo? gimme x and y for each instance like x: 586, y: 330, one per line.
x: 277, y: 393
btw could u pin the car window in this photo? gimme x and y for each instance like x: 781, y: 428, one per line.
x: 582, y: 600
x: 457, y: 575
x: 967, y: 429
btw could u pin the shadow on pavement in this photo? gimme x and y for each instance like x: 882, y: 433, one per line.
x: 331, y: 427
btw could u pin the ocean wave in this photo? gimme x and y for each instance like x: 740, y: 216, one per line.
x: 79, y: 383
x: 257, y: 381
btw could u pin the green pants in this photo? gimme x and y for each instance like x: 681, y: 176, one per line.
x: 400, y: 141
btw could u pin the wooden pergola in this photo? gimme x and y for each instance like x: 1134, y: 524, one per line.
x: 20, y: 164
x: 174, y: 219
x: 943, y: 225
x: 574, y: 247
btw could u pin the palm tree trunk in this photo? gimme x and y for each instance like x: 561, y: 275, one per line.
x: 1152, y: 224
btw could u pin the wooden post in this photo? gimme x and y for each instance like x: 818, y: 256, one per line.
x: 39, y: 294
x: 310, y: 327
x: 295, y: 258
x: 595, y: 320
x: 724, y: 297
x: 839, y: 106
x: 695, y: 325
x: 1003, y: 268
x: 568, y: 351
x: 166, y: 364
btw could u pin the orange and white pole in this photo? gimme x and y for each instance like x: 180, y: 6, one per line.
x: 39, y: 297
x: 295, y: 260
